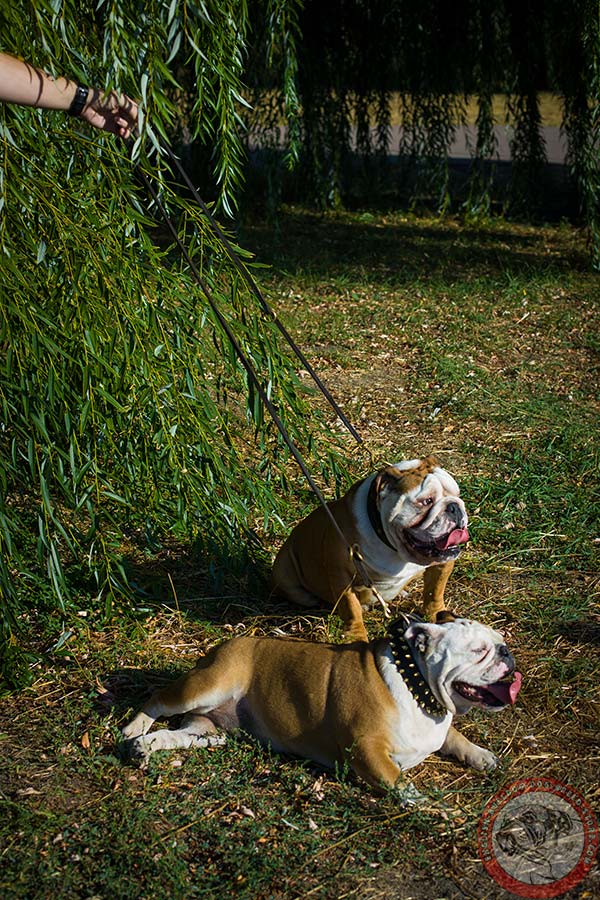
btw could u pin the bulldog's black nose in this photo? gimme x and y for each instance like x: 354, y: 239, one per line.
x: 454, y: 512
x: 505, y: 655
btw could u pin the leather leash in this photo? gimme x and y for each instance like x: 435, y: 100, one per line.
x: 251, y: 282
x: 354, y: 550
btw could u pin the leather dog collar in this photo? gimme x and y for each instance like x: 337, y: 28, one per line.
x: 408, y: 669
x: 374, y: 516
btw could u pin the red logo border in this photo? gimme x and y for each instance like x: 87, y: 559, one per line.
x: 529, y: 786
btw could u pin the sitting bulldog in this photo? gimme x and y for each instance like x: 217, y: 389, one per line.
x: 408, y: 519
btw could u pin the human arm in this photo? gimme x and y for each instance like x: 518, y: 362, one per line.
x: 25, y: 84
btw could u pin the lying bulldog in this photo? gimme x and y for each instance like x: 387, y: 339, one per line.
x: 406, y: 519
x: 382, y: 707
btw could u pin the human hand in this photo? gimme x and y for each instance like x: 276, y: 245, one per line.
x: 112, y: 112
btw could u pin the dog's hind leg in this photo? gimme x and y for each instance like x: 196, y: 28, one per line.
x: 194, y: 731
x: 298, y: 595
x: 209, y: 685
x: 286, y: 581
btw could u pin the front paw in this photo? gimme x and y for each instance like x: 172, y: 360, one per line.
x: 481, y: 759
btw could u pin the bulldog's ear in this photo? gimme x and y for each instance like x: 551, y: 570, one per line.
x: 445, y: 615
x: 423, y: 636
x: 385, y: 478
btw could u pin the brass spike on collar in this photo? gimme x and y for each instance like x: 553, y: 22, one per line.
x: 408, y: 669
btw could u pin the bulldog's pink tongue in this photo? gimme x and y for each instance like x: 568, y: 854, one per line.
x: 458, y: 536
x: 506, y: 692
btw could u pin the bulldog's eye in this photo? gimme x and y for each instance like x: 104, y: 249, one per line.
x: 480, y: 653
x: 425, y: 502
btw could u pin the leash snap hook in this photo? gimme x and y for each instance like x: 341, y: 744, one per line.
x: 357, y: 559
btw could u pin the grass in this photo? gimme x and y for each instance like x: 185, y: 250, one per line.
x: 551, y: 109
x: 550, y: 106
x: 478, y: 344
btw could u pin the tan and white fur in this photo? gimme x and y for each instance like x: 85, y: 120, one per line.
x: 418, y: 504
x: 344, y: 703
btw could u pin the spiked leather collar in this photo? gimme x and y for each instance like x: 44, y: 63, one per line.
x: 374, y: 516
x: 408, y: 669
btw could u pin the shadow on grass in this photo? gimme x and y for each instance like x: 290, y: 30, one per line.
x: 131, y: 687
x: 401, y: 250
x: 582, y: 632
x: 202, y: 582
x: 202, y: 591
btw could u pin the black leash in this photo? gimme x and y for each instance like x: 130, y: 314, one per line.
x: 250, y: 281
x: 354, y: 551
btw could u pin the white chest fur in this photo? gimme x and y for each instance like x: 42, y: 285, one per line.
x: 389, y: 569
x: 415, y: 733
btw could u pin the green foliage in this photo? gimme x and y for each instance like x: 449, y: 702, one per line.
x: 358, y: 61
x: 580, y: 35
x: 125, y: 417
